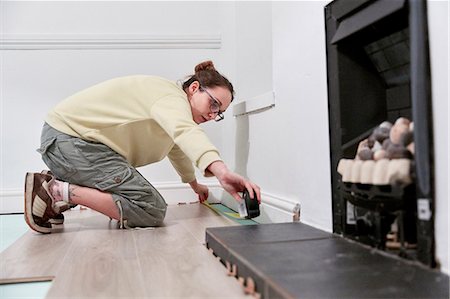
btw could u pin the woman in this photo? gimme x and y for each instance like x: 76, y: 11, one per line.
x: 93, y: 141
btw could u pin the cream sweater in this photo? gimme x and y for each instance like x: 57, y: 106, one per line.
x: 143, y: 118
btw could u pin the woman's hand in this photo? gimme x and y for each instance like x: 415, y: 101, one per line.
x: 201, y: 190
x: 233, y: 182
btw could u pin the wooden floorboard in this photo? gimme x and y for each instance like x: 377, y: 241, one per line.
x: 91, y: 258
x: 100, y: 263
x: 36, y: 257
x: 196, y: 218
x: 176, y: 265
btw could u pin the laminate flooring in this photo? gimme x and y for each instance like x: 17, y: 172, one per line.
x: 90, y: 258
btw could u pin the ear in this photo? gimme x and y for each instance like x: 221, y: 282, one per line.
x: 194, y: 87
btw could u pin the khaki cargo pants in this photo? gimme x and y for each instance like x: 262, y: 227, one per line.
x: 95, y: 165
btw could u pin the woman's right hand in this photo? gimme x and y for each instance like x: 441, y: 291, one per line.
x: 233, y: 182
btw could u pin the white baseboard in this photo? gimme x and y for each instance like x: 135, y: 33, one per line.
x: 273, y: 209
x: 12, y: 200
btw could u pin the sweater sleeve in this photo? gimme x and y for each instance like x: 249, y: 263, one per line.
x: 174, y: 116
x: 182, y: 164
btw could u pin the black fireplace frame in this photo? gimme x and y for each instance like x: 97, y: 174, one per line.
x: 343, y: 20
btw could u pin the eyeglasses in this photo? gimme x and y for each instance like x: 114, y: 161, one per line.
x: 214, y: 106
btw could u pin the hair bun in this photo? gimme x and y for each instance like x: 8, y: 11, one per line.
x: 205, y: 66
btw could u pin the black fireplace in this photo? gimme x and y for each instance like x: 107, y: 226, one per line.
x: 379, y: 71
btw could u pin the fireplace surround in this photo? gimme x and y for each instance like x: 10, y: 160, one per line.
x: 378, y: 70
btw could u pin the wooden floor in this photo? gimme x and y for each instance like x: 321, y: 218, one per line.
x: 91, y: 258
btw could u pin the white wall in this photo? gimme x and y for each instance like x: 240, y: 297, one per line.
x: 298, y: 126
x: 285, y: 149
x: 33, y: 81
x: 438, y: 26
x: 253, y: 77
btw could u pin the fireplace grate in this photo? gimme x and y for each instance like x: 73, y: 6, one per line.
x: 379, y: 197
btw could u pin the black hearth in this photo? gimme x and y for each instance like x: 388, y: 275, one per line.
x: 378, y: 70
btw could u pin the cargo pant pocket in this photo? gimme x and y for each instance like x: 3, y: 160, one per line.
x: 114, y: 180
x: 55, y: 159
x: 45, y: 145
x: 92, y: 151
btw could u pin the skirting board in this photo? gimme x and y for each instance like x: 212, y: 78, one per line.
x: 273, y: 209
x: 11, y: 201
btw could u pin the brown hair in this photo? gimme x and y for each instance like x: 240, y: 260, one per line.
x: 207, y: 75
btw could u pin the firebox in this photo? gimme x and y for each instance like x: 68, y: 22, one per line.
x: 379, y: 72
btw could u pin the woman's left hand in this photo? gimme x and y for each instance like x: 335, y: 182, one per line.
x: 201, y: 190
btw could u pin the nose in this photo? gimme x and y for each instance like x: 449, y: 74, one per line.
x: 211, y: 115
